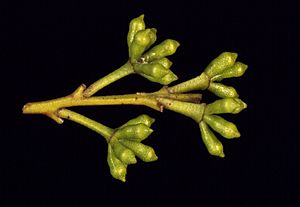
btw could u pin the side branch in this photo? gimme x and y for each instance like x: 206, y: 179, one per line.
x: 105, y: 131
x: 123, y: 71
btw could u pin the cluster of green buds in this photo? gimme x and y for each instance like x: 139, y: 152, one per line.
x: 125, y: 144
x: 150, y: 63
x: 224, y: 66
x: 205, y: 116
x: 225, y: 128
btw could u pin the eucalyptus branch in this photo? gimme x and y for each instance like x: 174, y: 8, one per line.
x: 124, y: 142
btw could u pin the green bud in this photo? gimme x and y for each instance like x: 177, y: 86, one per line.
x: 166, y: 48
x: 192, y: 110
x: 117, y: 168
x: 237, y: 70
x: 222, y: 90
x: 122, y: 153
x: 213, y: 145
x: 136, y: 24
x: 155, y: 72
x: 219, y: 64
x: 142, y: 41
x: 144, y: 152
x: 169, y: 78
x: 223, y: 127
x: 153, y: 37
x: 137, y: 132
x: 141, y: 119
x: 164, y: 62
x: 226, y: 105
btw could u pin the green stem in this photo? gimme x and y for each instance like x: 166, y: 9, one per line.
x: 200, y: 82
x: 123, y: 71
x: 51, y: 107
x: 77, y: 98
x: 105, y: 131
x: 43, y: 107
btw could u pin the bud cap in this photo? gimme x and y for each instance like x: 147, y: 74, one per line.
x: 117, y: 168
x: 135, y: 25
x: 219, y: 64
x: 165, y: 48
x: 213, y: 145
x: 223, y: 127
x: 164, y: 62
x: 225, y: 105
x: 137, y: 132
x: 155, y: 72
x: 122, y: 153
x: 142, y: 40
x: 237, y: 70
x: 144, y: 152
x: 141, y: 119
x: 222, y: 90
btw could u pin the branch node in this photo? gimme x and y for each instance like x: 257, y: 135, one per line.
x: 78, y: 93
x: 55, y: 117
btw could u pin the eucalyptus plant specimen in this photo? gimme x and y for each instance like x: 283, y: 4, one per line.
x: 124, y: 142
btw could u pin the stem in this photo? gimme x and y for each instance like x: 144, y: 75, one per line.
x: 164, y: 92
x: 200, y: 82
x: 69, y: 101
x: 105, y: 131
x: 123, y: 71
x: 51, y: 107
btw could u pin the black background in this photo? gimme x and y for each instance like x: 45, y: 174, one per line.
x: 51, y: 48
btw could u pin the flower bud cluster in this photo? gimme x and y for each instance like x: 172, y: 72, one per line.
x: 125, y: 145
x: 151, y: 64
x: 218, y: 124
x: 224, y: 66
x: 205, y: 116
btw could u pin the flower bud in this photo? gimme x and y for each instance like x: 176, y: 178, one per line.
x: 226, y: 105
x: 223, y: 127
x: 169, y: 78
x: 219, y: 64
x: 141, y: 119
x: 155, y: 72
x: 135, y: 25
x: 237, y: 70
x: 122, y: 153
x: 213, y: 145
x: 137, y: 132
x: 117, y: 168
x: 222, y: 90
x: 153, y: 37
x: 164, y: 62
x: 166, y: 48
x: 142, y: 41
x: 192, y: 110
x: 144, y: 152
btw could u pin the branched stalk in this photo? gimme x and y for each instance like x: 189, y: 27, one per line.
x: 124, y: 142
x: 77, y: 98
